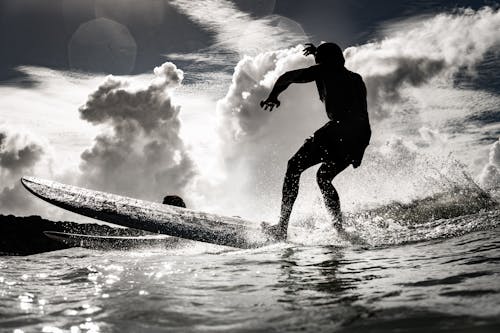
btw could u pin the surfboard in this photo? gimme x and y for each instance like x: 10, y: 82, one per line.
x: 112, y: 242
x: 149, y: 216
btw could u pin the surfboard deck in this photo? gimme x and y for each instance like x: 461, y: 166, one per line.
x: 112, y: 242
x: 149, y: 216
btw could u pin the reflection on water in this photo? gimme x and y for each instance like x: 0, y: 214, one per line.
x: 437, y: 284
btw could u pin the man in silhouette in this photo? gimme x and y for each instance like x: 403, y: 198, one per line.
x: 338, y: 144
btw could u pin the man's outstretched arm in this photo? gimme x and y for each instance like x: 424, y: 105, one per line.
x: 297, y: 76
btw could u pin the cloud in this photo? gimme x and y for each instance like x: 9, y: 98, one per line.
x: 437, y: 47
x: 237, y: 33
x: 17, y: 201
x: 140, y: 152
x: 239, y: 111
x: 490, y: 176
x: 20, y: 154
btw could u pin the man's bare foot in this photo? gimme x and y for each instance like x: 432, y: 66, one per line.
x: 276, y: 232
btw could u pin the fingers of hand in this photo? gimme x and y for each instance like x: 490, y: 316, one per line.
x: 310, y: 49
x: 269, y: 105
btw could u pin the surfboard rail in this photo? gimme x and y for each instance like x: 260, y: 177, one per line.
x: 103, y: 242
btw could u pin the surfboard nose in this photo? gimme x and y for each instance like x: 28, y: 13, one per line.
x: 32, y: 184
x: 27, y: 180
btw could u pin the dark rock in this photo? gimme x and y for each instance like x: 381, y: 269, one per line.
x: 24, y: 235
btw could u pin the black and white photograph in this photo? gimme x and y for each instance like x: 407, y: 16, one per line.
x: 249, y: 166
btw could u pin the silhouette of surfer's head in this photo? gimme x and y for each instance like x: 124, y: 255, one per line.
x: 174, y: 200
x: 330, y: 54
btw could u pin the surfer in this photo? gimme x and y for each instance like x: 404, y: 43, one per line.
x: 338, y: 144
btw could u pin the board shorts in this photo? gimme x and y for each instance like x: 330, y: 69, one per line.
x: 337, y: 142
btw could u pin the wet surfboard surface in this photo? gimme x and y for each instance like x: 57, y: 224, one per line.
x: 149, y: 216
x: 112, y: 242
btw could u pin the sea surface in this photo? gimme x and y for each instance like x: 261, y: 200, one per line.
x: 439, y: 275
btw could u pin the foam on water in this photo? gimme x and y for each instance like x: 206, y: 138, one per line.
x: 460, y: 210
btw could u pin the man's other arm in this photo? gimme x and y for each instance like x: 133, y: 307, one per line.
x: 303, y: 75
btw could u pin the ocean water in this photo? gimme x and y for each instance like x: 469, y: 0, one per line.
x: 437, y: 275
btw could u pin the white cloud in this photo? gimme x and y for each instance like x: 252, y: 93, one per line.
x: 239, y: 111
x: 49, y: 110
x: 434, y: 48
x: 238, y: 31
x: 140, y: 152
x: 20, y: 154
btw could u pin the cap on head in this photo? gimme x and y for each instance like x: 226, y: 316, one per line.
x: 330, y: 53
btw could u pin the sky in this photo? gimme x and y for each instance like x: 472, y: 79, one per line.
x: 161, y: 97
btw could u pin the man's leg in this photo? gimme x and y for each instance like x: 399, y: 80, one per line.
x: 303, y: 159
x: 290, y: 189
x: 326, y: 173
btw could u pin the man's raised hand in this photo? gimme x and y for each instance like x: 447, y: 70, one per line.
x: 310, y: 49
x: 270, y: 103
